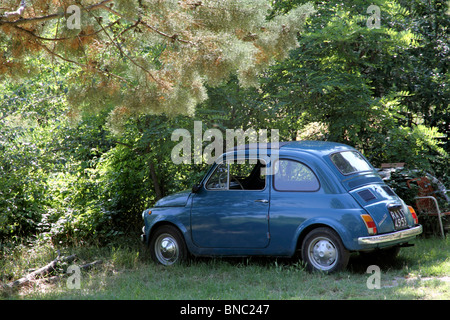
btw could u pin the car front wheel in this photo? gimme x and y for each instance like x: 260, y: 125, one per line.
x: 167, y: 246
x: 322, y: 250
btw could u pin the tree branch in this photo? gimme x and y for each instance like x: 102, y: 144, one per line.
x: 128, y: 56
x: 66, y: 38
x: 42, y: 271
x: 18, y: 12
x: 173, y: 38
x: 21, y: 21
x: 80, y: 64
x: 128, y: 28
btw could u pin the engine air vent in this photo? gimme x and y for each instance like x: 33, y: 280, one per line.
x: 388, y: 190
x: 366, y: 195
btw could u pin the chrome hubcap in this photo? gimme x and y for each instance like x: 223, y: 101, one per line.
x: 166, y: 249
x: 322, y: 254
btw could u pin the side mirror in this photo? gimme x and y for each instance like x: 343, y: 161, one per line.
x: 196, y: 187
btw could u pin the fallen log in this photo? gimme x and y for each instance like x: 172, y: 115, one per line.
x: 69, y: 258
x: 87, y: 266
x: 31, y: 276
x: 42, y: 272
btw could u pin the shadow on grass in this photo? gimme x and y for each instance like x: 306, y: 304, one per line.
x: 426, y: 254
x: 358, y: 263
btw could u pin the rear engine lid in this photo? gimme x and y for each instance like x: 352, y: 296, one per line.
x: 387, y: 210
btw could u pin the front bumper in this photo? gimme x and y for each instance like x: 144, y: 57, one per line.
x: 143, y: 237
x: 391, y: 237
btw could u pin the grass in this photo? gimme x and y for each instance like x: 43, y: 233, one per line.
x: 127, y: 273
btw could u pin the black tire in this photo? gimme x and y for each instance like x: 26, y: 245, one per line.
x: 167, y: 246
x: 322, y: 250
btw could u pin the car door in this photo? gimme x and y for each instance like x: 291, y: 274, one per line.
x: 231, y: 209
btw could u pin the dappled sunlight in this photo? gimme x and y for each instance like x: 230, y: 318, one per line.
x: 91, y: 98
x: 128, y: 273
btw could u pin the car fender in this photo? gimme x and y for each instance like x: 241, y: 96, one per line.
x: 176, y: 216
x: 313, y: 223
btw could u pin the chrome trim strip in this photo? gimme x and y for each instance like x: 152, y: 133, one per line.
x: 393, y: 236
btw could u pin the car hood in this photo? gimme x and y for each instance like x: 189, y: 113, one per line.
x: 174, y: 200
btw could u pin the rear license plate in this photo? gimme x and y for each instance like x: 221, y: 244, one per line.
x: 398, y: 216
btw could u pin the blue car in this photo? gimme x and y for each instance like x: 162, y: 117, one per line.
x: 319, y: 200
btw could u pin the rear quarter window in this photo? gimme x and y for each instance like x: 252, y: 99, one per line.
x: 292, y: 175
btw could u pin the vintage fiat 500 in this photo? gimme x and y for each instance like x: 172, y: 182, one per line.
x: 320, y: 200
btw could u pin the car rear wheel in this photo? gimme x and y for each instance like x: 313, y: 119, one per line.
x: 322, y: 250
x: 167, y: 246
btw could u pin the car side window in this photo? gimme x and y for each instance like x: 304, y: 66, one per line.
x: 240, y: 175
x: 219, y: 179
x: 247, y: 175
x: 294, y: 176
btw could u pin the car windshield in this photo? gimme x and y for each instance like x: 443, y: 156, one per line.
x: 349, y: 162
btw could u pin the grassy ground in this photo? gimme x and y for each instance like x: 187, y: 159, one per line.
x: 420, y: 272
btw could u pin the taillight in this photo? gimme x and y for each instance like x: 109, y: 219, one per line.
x: 414, y: 215
x: 370, y: 224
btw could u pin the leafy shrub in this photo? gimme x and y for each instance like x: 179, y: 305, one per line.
x: 22, y: 185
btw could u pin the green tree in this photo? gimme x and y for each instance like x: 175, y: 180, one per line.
x: 49, y: 181
x: 146, y: 56
x: 351, y: 79
x: 427, y: 79
x: 28, y: 113
x: 135, y: 69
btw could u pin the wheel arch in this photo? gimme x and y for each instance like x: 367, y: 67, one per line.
x: 161, y: 223
x: 305, y: 231
x: 167, y: 244
x: 323, y: 250
x: 340, y: 230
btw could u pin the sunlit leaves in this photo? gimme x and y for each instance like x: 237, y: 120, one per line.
x: 352, y: 81
x: 151, y: 57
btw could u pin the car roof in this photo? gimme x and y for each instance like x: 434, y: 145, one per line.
x: 310, y: 146
x: 323, y: 147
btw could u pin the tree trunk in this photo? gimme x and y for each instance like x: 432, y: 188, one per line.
x: 154, y: 177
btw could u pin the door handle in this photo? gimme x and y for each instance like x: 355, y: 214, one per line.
x: 262, y: 200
